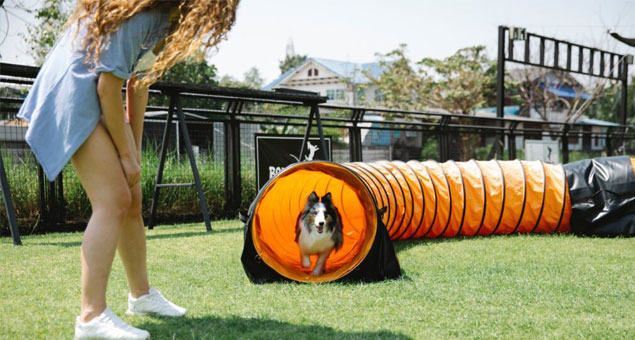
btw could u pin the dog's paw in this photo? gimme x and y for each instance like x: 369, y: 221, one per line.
x: 306, y: 262
x: 316, y: 272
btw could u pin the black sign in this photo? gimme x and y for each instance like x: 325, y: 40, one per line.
x: 276, y: 152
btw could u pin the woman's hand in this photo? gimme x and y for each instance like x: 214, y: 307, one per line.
x: 131, y: 169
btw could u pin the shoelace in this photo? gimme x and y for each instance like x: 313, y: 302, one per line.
x: 112, y: 319
x: 161, y: 302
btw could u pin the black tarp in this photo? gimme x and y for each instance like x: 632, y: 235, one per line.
x: 602, y: 194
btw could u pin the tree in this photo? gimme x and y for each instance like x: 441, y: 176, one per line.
x: 251, y: 80
x: 539, y: 89
x: 291, y: 61
x: 194, y: 70
x: 458, y: 84
x: 607, y: 106
x: 51, y: 18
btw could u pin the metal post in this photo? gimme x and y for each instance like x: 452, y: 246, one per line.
x: 609, y: 144
x: 61, y: 206
x: 52, y: 204
x: 444, y: 152
x: 8, y: 205
x: 355, y: 134
x: 565, y: 144
x: 511, y: 141
x: 315, y: 112
x: 624, y: 99
x: 500, y: 85
x: 42, y: 195
x: 315, y: 107
x: 307, y: 132
x: 190, y: 154
x: 164, y: 148
x: 233, y: 188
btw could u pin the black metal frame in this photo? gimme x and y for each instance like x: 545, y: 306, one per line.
x: 617, y: 70
x: 237, y: 110
x: 8, y: 205
x: 235, y: 102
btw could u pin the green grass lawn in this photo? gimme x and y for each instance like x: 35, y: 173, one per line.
x: 539, y: 286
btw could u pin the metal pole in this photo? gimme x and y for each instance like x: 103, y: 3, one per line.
x: 164, y: 147
x: 315, y: 107
x: 307, y: 132
x: 8, y: 205
x: 190, y: 154
x: 565, y: 144
x: 500, y: 86
x: 624, y: 99
x: 233, y: 188
x: 42, y: 196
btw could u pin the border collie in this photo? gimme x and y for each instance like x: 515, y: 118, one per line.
x: 318, y: 231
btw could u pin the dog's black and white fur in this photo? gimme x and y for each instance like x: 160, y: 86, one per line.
x: 318, y: 231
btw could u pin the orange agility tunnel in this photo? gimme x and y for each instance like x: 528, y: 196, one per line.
x: 383, y: 201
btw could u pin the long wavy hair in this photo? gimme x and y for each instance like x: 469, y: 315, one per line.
x: 196, y: 25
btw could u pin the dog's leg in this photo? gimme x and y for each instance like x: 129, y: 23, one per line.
x: 319, y: 264
x: 306, y: 260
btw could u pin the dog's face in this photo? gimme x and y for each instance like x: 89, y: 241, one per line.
x: 320, y: 214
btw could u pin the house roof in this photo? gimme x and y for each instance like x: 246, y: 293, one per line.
x: 343, y: 69
x: 591, y: 121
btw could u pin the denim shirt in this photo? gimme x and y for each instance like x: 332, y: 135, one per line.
x: 62, y: 108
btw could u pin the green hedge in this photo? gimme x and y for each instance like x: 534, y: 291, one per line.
x: 175, y: 204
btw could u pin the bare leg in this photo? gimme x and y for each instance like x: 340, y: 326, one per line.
x: 99, y: 170
x: 132, y: 240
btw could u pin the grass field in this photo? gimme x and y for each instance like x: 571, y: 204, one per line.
x: 528, y: 287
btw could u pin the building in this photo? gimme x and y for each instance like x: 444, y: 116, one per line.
x: 344, y: 83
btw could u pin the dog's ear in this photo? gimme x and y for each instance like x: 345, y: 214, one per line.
x: 326, y: 199
x: 313, y: 198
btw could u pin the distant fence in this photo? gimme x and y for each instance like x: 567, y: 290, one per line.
x: 222, y: 124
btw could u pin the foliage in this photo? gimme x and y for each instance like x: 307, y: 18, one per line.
x: 459, y: 83
x: 607, y: 106
x: 251, y: 80
x: 194, y: 70
x: 430, y: 149
x: 291, y: 61
x: 42, y: 36
x: 175, y: 204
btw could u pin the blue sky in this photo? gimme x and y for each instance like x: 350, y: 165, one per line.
x: 354, y: 30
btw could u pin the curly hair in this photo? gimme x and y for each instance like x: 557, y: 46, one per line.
x: 196, y: 25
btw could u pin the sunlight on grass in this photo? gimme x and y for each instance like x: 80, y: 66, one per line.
x: 538, y: 286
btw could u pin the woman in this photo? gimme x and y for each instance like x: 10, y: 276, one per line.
x: 75, y: 111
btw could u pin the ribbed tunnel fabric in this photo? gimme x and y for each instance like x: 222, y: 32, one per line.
x: 421, y: 200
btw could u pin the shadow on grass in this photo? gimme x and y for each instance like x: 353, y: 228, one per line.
x: 211, y: 327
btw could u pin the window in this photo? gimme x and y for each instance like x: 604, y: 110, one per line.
x: 335, y: 94
x: 361, y: 95
x: 310, y: 72
x: 315, y: 71
x: 379, y: 97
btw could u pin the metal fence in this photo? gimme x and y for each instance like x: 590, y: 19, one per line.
x: 222, y: 123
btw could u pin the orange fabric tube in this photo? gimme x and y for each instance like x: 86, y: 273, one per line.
x: 428, y: 199
x: 422, y: 199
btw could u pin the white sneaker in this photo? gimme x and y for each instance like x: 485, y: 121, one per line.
x: 108, y: 326
x: 153, y: 303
